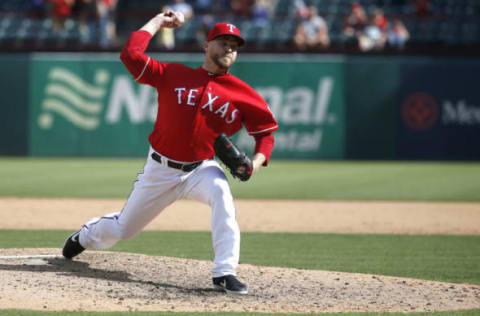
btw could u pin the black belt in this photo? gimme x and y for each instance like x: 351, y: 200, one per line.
x: 184, y: 167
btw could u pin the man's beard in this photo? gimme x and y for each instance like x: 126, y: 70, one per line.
x: 223, y: 62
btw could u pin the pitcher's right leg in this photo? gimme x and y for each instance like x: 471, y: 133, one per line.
x: 154, y: 190
x: 143, y: 205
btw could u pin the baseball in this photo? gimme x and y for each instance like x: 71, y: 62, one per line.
x: 180, y: 18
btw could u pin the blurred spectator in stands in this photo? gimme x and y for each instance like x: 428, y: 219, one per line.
x: 38, y: 9
x: 182, y: 6
x: 301, y: 9
x: 398, y: 34
x: 312, y: 33
x: 241, y: 8
x: 354, y: 24
x: 106, y: 21
x: 422, y: 8
x: 379, y: 20
x: 374, y: 35
x: 60, y: 11
x: 207, y: 22
x: 86, y: 13
x: 166, y: 36
x: 261, y: 12
x: 371, y: 38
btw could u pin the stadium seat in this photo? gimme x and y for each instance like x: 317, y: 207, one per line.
x: 448, y: 33
x: 71, y: 35
x: 9, y: 26
x: 335, y: 28
x: 14, y: 5
x: 470, y: 33
x: 282, y: 31
x: 423, y: 32
x: 283, y: 8
x: 246, y: 28
x: 45, y: 34
x: 26, y: 31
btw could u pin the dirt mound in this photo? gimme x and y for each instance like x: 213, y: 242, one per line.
x: 109, y: 281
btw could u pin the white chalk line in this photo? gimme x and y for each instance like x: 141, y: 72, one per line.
x: 28, y: 257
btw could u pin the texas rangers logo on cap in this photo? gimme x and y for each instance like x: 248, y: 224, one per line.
x: 220, y: 29
x: 231, y: 27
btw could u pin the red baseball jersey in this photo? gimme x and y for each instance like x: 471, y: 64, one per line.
x: 194, y: 106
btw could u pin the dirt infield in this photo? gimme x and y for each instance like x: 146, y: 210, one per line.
x: 261, y: 216
x: 103, y: 281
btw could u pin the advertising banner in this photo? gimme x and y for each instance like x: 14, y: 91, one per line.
x: 439, y: 111
x: 327, y: 108
x: 92, y: 107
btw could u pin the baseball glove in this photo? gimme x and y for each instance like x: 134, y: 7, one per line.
x: 233, y: 158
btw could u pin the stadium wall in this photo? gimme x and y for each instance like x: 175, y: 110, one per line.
x: 328, y: 107
x: 14, y: 84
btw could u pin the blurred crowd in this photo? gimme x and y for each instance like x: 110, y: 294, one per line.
x: 293, y: 25
x: 96, y: 18
x: 311, y: 31
x: 375, y: 31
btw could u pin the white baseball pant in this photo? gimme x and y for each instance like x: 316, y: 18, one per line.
x: 159, y: 186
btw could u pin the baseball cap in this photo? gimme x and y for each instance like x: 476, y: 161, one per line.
x: 225, y: 29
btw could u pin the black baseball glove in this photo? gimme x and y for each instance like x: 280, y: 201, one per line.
x: 233, y: 158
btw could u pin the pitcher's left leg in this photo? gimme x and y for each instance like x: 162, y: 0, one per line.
x: 209, y: 185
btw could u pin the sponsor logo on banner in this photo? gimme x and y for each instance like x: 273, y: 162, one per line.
x: 298, y: 106
x: 71, y: 97
x: 302, y: 112
x: 137, y: 102
x: 421, y: 112
x: 460, y: 113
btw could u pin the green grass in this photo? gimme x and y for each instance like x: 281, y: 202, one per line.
x: 441, y: 258
x: 39, y: 313
x: 113, y: 178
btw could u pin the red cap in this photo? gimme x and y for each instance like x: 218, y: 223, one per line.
x: 225, y: 29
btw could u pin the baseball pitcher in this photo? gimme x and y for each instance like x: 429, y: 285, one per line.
x: 198, y: 109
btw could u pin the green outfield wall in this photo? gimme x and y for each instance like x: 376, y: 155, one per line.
x: 371, y: 97
x: 328, y: 107
x: 93, y: 107
x: 14, y: 85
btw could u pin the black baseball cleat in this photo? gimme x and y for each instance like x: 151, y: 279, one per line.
x: 72, y: 246
x: 230, y: 284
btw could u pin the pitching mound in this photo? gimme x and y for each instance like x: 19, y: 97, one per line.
x: 108, y: 281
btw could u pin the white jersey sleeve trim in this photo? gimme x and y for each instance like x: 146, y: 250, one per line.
x: 263, y: 130
x: 144, y: 68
